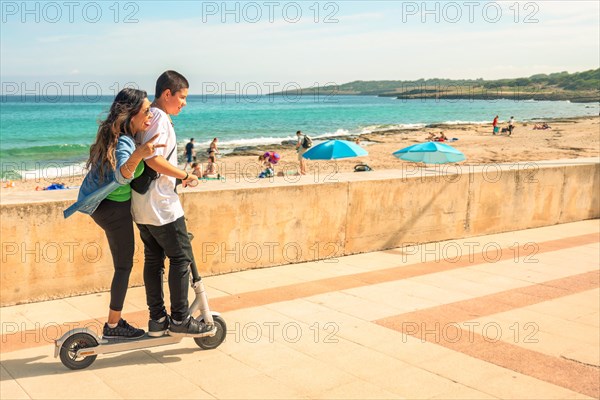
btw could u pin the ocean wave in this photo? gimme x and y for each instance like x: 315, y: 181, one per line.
x: 232, y: 143
x: 261, y: 141
x: 58, y: 151
x: 45, y: 163
x: 339, y: 132
x: 387, y: 127
x: 459, y: 122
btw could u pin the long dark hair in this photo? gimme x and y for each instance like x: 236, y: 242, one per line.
x: 125, y: 106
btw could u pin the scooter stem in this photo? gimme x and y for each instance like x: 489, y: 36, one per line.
x: 201, y: 302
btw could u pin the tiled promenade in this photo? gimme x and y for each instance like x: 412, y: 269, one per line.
x: 513, y: 315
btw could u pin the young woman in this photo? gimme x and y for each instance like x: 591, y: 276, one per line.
x: 212, y: 149
x: 105, y: 193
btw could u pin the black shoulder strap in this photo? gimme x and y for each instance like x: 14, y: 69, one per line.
x: 169, y: 156
x: 171, y: 153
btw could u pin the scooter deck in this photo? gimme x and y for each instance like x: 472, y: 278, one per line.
x: 107, y: 346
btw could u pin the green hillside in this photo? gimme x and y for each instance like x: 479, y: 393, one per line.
x: 577, y: 87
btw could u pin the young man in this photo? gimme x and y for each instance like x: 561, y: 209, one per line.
x: 511, y: 125
x: 159, y: 216
x: 190, y: 153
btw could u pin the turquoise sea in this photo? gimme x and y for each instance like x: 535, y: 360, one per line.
x: 35, y: 132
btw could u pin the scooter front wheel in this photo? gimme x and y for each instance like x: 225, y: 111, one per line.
x: 68, y: 351
x: 212, y: 342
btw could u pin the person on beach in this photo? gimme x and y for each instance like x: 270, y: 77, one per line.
x: 542, y: 126
x: 268, y: 171
x: 212, y: 149
x: 270, y: 156
x: 190, y: 153
x: 441, y: 138
x: 159, y: 216
x: 301, y: 150
x: 211, y: 168
x: 495, y: 125
x: 268, y: 160
x: 105, y: 193
x: 511, y: 125
x: 197, y: 169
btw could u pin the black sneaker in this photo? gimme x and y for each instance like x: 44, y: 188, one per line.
x: 191, y: 327
x: 122, y: 331
x: 157, y: 329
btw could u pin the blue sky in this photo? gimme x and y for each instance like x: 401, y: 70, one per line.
x: 270, y: 44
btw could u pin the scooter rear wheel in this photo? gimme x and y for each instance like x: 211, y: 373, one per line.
x: 68, y: 351
x: 212, y: 342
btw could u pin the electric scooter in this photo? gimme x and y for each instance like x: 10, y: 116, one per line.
x: 79, y: 347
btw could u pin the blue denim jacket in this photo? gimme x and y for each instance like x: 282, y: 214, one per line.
x: 92, y: 190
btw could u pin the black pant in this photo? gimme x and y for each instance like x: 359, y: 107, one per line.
x: 170, y: 240
x: 115, y: 218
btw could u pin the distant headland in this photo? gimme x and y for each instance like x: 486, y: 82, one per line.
x: 580, y: 87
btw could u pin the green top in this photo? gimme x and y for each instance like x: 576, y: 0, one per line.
x: 123, y: 193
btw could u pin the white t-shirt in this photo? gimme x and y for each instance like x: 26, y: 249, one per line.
x: 160, y: 205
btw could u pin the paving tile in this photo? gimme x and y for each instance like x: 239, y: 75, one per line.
x: 357, y: 389
x: 425, y: 291
x: 269, y: 356
x: 592, y: 319
x: 257, y: 324
x: 43, y: 377
x: 494, y: 380
x: 333, y: 269
x: 387, y: 296
x: 254, y: 387
x: 582, y: 353
x: 270, y: 277
x: 457, y: 282
x: 414, y: 383
x: 153, y: 379
x: 212, y: 292
x: 214, y: 376
x: 95, y: 305
x: 518, y: 386
x: 523, y: 274
x: 353, y: 305
x: 45, y: 314
x: 311, y: 378
x: 232, y: 283
x: 13, y: 320
x: 9, y: 388
x: 461, y: 392
x: 409, y: 349
x: 520, y: 323
x: 496, y: 283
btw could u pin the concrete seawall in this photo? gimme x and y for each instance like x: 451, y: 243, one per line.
x: 242, y: 225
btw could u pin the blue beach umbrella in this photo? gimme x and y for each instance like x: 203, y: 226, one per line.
x: 430, y: 153
x: 334, y: 149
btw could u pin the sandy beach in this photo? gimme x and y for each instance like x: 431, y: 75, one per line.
x: 567, y: 138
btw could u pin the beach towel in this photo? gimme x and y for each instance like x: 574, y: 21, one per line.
x: 56, y: 186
